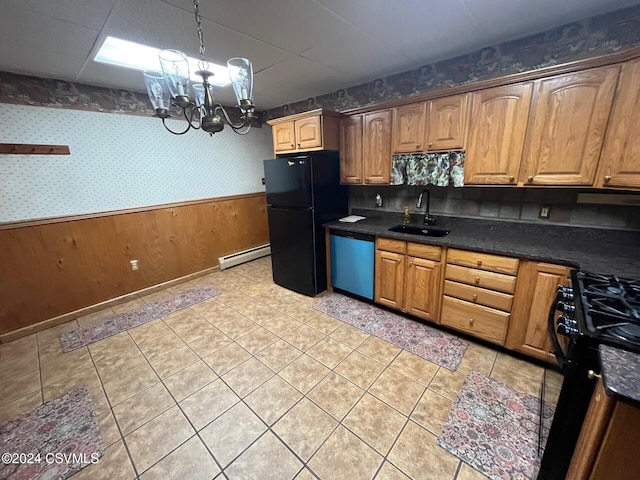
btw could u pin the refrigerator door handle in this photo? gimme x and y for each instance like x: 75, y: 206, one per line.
x: 301, y: 209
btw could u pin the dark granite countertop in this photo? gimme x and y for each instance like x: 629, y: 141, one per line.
x: 591, y: 249
x: 621, y: 373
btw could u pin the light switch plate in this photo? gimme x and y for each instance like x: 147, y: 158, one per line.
x: 545, y: 210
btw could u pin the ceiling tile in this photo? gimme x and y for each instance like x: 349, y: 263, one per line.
x: 362, y: 12
x: 86, y: 13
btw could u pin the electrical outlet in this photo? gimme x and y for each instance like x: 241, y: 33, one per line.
x: 134, y: 264
x: 545, y: 210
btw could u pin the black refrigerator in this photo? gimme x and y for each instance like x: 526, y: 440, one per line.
x: 303, y: 192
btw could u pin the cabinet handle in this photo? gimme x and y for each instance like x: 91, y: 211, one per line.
x: 477, y: 280
x: 471, y: 322
x: 475, y: 297
x: 430, y: 144
x: 357, y: 180
x: 591, y: 375
x: 607, y: 178
x: 530, y: 179
x: 298, y: 145
x: 366, y: 180
x: 418, y: 145
x: 292, y: 145
x: 479, y: 262
x: 512, y: 179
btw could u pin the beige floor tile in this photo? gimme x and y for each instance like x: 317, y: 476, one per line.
x: 380, y: 350
x: 517, y: 379
x: 142, y: 407
x: 181, y: 287
x: 475, y: 361
x: 189, y: 380
x: 350, y: 336
x: 375, y: 422
x: 266, y: 459
x: 111, y: 367
x: 208, y: 307
x: 19, y: 387
x: 62, y: 367
x: 112, y: 346
x: 20, y: 348
x: 329, y: 352
x: 272, y: 400
x: 113, y: 464
x: 248, y: 376
x: 224, y: 316
x: 52, y: 335
x: 469, y: 473
x: 278, y: 355
x: 303, y: 337
x: 282, y: 324
x: 158, y: 346
x: 554, y: 377
x: 181, y: 317
x: 195, y: 329
x: 25, y: 404
x: 258, y: 312
x: 432, y: 411
x: 522, y: 366
x: 360, y: 369
x: 304, y: 373
x: 482, y: 350
x: 227, y: 358
x: 190, y: 460
x: 127, y: 306
x: 231, y: 433
x: 418, y: 455
x: 157, y: 438
x: 399, y: 391
x: 131, y: 382
x: 304, y: 428
x: 336, y: 395
x: 157, y: 296
x: 324, y: 323
x: 389, y: 472
x: 306, y: 474
x: 301, y: 312
x: 237, y: 328
x: 257, y: 340
x: 108, y: 428
x: 208, y: 403
x: 207, y: 343
x: 88, y: 377
x: 149, y: 331
x: 448, y: 383
x: 233, y: 297
x: 414, y: 367
x: 345, y: 456
x: 173, y: 361
x: 19, y: 366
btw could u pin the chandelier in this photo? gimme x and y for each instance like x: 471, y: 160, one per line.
x: 171, y: 87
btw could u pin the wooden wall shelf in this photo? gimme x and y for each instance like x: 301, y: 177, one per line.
x: 30, y: 149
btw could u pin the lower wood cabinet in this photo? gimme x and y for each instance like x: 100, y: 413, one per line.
x: 389, y: 283
x: 422, y: 285
x: 483, y: 322
x: 536, y: 289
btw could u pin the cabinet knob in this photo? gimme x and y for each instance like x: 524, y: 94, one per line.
x: 475, y: 297
x: 477, y: 280
x: 298, y: 145
x: 292, y: 145
x: 357, y: 179
x: 607, y: 178
x: 366, y: 180
x: 479, y: 262
x: 591, y: 375
x: 430, y: 144
x: 471, y: 322
x: 418, y: 145
x: 530, y: 179
x: 512, y: 179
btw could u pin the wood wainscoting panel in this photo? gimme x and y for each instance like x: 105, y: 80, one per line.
x: 51, y: 269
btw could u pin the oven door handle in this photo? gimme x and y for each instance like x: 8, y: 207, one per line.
x: 557, y: 349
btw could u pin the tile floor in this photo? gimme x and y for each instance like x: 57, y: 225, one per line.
x: 253, y: 384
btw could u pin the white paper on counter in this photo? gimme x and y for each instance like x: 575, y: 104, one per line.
x: 352, y: 219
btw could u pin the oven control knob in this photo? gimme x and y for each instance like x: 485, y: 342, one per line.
x: 566, y: 307
x: 566, y: 326
x: 565, y: 293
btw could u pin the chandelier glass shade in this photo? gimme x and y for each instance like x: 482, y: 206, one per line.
x: 172, y: 86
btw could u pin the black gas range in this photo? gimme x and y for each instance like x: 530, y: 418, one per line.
x: 596, y: 309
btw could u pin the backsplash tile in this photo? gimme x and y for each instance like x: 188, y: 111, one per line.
x: 515, y: 204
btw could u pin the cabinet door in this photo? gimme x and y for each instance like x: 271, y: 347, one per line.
x: 567, y: 128
x: 496, y: 137
x: 619, y: 165
x: 422, y: 287
x: 309, y: 132
x: 409, y: 127
x: 447, y: 123
x: 351, y: 150
x: 283, y: 137
x: 535, y: 291
x: 376, y: 147
x: 389, y: 279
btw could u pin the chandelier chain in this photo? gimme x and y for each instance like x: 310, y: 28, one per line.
x: 196, y: 11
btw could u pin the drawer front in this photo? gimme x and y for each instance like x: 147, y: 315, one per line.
x: 483, y: 322
x: 483, y: 261
x: 428, y: 252
x: 481, y: 278
x: 391, y: 245
x: 482, y: 296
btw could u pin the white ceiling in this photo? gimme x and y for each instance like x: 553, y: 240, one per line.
x: 299, y: 48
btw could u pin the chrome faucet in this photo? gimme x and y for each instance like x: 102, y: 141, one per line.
x: 428, y: 219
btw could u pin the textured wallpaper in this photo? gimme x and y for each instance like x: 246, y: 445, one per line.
x: 119, y: 162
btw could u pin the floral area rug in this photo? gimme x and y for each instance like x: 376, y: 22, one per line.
x: 103, y: 328
x: 418, y: 338
x: 494, y: 428
x: 54, y: 441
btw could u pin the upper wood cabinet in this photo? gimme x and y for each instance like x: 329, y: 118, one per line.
x: 496, y: 137
x: 568, y: 126
x: 536, y: 289
x: 376, y: 147
x: 429, y: 126
x: 620, y: 159
x: 306, y: 132
x: 351, y: 150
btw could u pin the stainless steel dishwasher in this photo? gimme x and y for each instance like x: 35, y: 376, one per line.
x: 352, y: 262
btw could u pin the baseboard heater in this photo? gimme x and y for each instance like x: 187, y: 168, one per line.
x: 234, y: 259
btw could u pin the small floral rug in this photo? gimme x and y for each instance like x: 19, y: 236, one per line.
x: 54, y: 441
x: 107, y: 327
x: 418, y: 338
x: 494, y: 428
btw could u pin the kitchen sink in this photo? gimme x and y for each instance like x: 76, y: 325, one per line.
x: 418, y: 230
